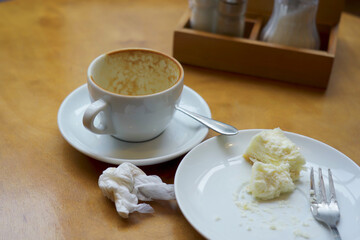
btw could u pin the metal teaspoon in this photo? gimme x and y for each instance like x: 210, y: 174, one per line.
x: 215, y: 125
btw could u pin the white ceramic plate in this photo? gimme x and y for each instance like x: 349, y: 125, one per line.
x: 182, y: 134
x: 210, y: 187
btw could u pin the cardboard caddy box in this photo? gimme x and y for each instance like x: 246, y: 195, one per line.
x: 249, y: 55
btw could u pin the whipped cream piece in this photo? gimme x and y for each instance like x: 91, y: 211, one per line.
x: 127, y: 184
x: 268, y: 181
x: 272, y: 146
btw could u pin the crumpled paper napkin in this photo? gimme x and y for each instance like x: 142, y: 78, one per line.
x: 127, y: 184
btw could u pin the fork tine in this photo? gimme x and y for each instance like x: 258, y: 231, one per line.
x: 323, y: 210
x: 322, y: 195
x: 312, y: 187
x: 331, y: 187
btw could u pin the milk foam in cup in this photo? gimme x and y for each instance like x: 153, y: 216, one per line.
x: 133, y: 93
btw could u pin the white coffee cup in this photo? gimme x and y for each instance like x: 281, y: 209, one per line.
x: 133, y: 92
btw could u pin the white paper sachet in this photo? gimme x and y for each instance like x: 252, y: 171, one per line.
x: 127, y: 184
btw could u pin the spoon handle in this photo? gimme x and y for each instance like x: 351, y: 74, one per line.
x: 215, y: 125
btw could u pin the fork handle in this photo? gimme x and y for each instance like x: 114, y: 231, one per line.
x: 335, y: 232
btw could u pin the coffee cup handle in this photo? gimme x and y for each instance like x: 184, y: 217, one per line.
x: 90, y: 114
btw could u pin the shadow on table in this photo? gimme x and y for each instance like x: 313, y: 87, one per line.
x: 352, y: 7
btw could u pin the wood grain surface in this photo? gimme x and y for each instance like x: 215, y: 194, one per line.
x: 48, y: 190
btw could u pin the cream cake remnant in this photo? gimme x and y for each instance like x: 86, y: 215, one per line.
x: 272, y: 146
x: 277, y: 163
x: 268, y: 181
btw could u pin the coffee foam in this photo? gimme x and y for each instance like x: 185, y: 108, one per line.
x: 136, y: 72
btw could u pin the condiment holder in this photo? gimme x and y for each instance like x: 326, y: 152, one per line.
x: 251, y: 56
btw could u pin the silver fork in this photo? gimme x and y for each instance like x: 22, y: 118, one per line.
x: 324, y: 210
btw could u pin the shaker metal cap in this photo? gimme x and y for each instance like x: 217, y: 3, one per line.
x: 232, y: 8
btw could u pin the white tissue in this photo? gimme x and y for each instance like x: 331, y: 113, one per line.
x: 127, y: 184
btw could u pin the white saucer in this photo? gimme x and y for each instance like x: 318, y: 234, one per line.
x: 183, y: 133
x: 210, y: 188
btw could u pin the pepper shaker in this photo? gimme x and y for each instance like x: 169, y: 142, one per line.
x: 231, y: 17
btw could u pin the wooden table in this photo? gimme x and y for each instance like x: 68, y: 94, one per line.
x: 49, y: 190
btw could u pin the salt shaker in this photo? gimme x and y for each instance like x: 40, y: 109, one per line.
x: 231, y: 17
x: 293, y: 23
x: 203, y: 14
